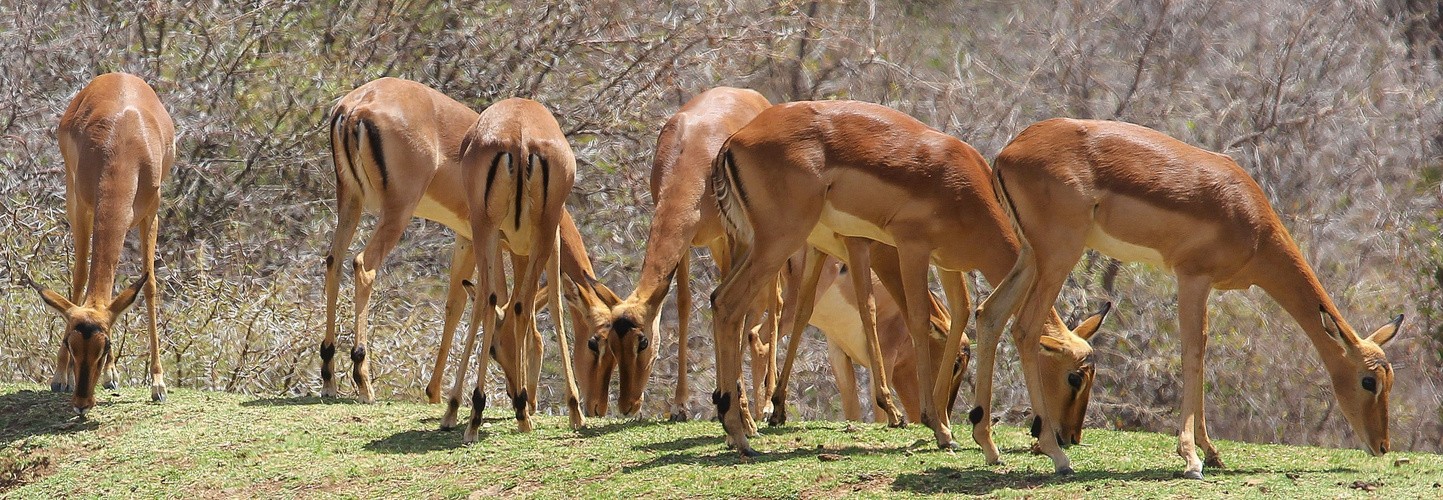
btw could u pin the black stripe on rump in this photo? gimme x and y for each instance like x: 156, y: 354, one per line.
x: 375, y: 136
x: 491, y: 175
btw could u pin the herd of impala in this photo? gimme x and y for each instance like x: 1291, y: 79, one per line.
x: 789, y: 198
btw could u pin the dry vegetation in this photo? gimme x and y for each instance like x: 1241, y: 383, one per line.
x: 1333, y: 106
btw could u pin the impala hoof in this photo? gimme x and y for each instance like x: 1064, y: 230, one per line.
x: 157, y: 393
x: 57, y: 387
x: 678, y: 416
x: 1067, y: 471
x: 1193, y: 474
x: 110, y: 385
x: 951, y: 446
x: 1214, y: 462
x: 750, y: 453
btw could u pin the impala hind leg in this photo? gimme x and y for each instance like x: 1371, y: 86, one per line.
x: 751, y: 274
x: 1192, y: 297
x: 348, y: 215
x: 463, y: 266
x: 152, y: 302
x: 388, y: 233
x: 800, y: 302
x: 483, y: 312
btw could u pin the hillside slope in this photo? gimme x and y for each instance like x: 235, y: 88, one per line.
x: 207, y: 445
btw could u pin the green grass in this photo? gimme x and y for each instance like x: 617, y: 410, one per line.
x: 205, y: 444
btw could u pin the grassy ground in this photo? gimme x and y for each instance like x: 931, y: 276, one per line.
x: 204, y: 444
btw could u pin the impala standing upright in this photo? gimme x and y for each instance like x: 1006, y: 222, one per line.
x: 1138, y: 195
x: 119, y: 145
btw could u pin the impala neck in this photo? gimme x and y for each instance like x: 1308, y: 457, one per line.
x: 1280, y: 271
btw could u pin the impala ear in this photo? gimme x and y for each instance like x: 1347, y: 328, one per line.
x: 1335, y: 331
x: 1051, y: 344
x: 604, y: 293
x: 1386, y: 332
x: 127, y: 296
x: 57, y: 302
x: 1089, y: 326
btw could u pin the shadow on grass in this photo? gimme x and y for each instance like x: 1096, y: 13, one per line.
x: 32, y: 413
x: 421, y: 441
x: 299, y: 401
x: 728, y: 457
x: 592, y: 430
x: 983, y: 480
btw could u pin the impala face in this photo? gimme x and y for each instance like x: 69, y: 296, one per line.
x: 87, y: 339
x: 1067, y: 370
x: 630, y: 340
x: 590, y: 315
x: 1363, y: 380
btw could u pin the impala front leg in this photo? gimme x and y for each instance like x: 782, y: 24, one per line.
x: 152, y: 298
x: 683, y: 326
x: 1192, y: 296
x: 553, y: 299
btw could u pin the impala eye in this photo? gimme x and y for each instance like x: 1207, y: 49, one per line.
x: 1370, y: 384
x: 642, y: 343
x: 1075, y: 380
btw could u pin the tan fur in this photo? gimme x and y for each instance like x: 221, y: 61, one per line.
x: 825, y: 173
x: 119, y: 145
x: 517, y: 169
x: 686, y: 216
x: 1197, y: 214
x: 420, y: 132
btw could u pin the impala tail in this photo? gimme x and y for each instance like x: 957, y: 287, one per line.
x: 731, y: 202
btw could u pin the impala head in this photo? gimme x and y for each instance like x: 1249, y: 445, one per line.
x: 87, y: 336
x: 632, y: 339
x: 1067, y: 373
x: 1362, y: 378
x: 591, y: 313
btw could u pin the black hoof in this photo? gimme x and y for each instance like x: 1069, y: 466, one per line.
x: 777, y: 419
x: 678, y: 417
x: 1193, y: 475
x: 1214, y: 462
x: 949, y: 446
x: 749, y: 453
x: 111, y: 385
x: 57, y: 387
x: 1065, y: 471
x: 158, y: 398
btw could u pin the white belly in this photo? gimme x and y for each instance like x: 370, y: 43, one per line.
x: 1123, y: 251
x: 841, y: 323
x: 430, y: 209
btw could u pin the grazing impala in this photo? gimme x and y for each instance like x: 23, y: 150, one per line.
x: 517, y: 169
x: 835, y: 314
x: 819, y: 172
x: 685, y: 217
x: 119, y: 144
x: 1138, y: 195
x: 396, y: 146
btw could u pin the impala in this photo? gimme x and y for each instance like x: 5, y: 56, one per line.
x: 1138, y: 195
x: 396, y: 146
x: 119, y: 144
x: 822, y: 172
x: 517, y: 170
x: 835, y: 315
x: 685, y: 217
